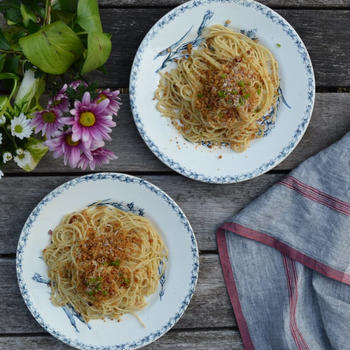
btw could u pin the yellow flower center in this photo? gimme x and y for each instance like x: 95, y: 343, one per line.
x: 18, y: 128
x: 87, y: 119
x: 101, y: 98
x: 70, y: 142
x: 49, y: 117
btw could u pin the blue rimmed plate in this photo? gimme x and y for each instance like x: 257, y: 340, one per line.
x: 297, y: 90
x: 165, y: 306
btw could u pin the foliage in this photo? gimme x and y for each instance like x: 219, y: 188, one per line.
x: 43, y: 44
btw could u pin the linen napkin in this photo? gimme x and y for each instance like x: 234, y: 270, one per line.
x: 286, y: 258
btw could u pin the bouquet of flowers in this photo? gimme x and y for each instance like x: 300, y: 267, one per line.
x: 44, y: 44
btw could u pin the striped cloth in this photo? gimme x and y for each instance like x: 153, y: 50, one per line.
x: 286, y: 258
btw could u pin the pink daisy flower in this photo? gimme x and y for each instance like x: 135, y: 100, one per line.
x: 63, y: 145
x: 90, y: 122
x: 76, y: 83
x: 60, y: 100
x: 113, y: 99
x: 48, y: 121
x: 99, y: 156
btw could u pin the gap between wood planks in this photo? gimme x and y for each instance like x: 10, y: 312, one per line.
x: 134, y: 173
x: 272, y: 6
x: 174, y: 330
x: 320, y: 89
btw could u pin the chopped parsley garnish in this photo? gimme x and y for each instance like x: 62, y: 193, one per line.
x: 223, y: 76
x: 246, y: 96
x: 222, y: 93
x: 278, y: 45
x: 116, y: 263
x: 241, y: 101
x: 258, y: 91
x: 234, y: 92
x: 200, y: 95
x: 241, y: 83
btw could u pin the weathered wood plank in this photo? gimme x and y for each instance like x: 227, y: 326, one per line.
x: 209, y: 308
x: 174, y: 340
x: 329, y: 122
x: 324, y: 32
x: 205, y: 205
x: 271, y: 3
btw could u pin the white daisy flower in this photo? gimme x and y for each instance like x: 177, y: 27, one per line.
x: 23, y: 160
x: 6, y: 157
x: 19, y: 151
x: 20, y: 127
x: 1, y: 174
x: 2, y: 120
x: 0, y: 138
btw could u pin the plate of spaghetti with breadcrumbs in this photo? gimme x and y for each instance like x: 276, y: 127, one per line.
x: 107, y: 261
x: 222, y: 90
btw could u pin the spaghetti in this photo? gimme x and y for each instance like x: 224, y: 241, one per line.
x: 220, y: 92
x: 104, y: 262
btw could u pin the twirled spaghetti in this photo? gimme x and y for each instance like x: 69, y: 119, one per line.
x: 219, y: 92
x: 104, y: 262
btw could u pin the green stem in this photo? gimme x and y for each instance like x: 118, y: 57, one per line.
x: 13, y: 89
x: 82, y: 33
x: 48, y: 6
x: 10, y: 136
x: 11, y: 52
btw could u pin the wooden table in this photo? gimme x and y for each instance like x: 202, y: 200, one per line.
x: 209, y: 321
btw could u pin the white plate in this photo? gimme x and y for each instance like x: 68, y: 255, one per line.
x: 165, y: 306
x: 297, y: 83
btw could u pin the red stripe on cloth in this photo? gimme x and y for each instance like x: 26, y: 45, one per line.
x: 292, y: 324
x: 317, y: 199
x: 316, y: 195
x: 232, y: 290
x: 287, y: 250
x: 316, y: 190
x: 295, y: 278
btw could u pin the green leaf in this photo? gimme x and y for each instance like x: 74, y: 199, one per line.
x: 12, y: 64
x: 53, y: 48
x: 8, y: 76
x: 4, y: 104
x: 66, y: 5
x: 32, y: 28
x: 13, y: 15
x: 37, y: 149
x: 40, y: 90
x: 4, y: 44
x: 66, y: 17
x: 14, y: 77
x: 2, y: 61
x: 99, y: 49
x: 89, y: 16
x: 5, y: 4
x: 27, y: 15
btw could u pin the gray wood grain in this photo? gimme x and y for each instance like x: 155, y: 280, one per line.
x: 329, y: 122
x: 324, y: 32
x: 210, y: 306
x: 174, y: 340
x: 205, y: 205
x: 271, y: 3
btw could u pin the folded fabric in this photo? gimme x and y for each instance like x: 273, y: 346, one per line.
x: 286, y: 258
